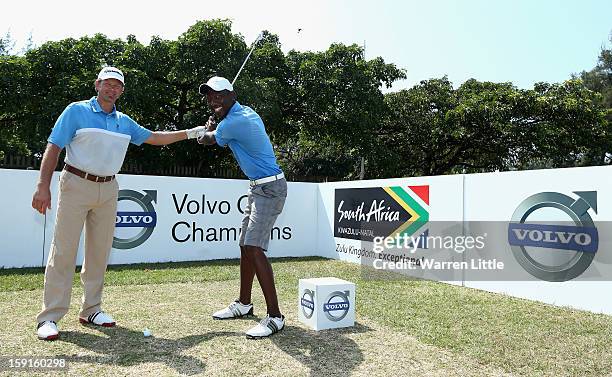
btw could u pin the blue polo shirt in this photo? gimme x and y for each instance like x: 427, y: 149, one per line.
x: 96, y: 142
x: 244, y: 132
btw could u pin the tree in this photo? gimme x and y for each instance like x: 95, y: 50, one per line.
x: 333, y: 108
x: 6, y: 44
x: 564, y: 125
x: 14, y: 94
x: 13, y: 91
x: 434, y: 129
x: 599, y: 79
x: 325, y: 111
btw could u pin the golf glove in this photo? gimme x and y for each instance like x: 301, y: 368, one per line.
x: 192, y: 133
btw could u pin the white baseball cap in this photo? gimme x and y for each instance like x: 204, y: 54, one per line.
x: 216, y: 84
x: 111, y: 73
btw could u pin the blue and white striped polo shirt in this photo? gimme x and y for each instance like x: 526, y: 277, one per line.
x: 96, y: 142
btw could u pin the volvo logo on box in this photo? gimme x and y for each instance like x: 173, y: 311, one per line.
x: 307, y: 303
x: 145, y: 219
x: 580, y: 240
x: 336, y: 306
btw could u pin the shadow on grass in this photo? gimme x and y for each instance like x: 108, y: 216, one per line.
x: 124, y: 347
x: 325, y: 352
x: 162, y: 266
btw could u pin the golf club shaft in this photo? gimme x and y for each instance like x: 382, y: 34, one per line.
x: 247, y: 58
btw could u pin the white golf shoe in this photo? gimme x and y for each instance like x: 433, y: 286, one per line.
x: 267, y: 326
x: 234, y: 310
x: 99, y: 319
x: 47, y: 330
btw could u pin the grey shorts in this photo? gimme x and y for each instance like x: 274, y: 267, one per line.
x: 265, y: 203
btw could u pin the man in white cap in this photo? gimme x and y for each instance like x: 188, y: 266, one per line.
x: 96, y: 137
x: 243, y: 131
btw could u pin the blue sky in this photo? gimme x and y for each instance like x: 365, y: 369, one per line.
x: 521, y: 41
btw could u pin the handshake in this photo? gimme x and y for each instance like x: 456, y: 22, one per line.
x: 198, y: 132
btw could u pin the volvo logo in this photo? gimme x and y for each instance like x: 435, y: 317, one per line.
x: 145, y: 219
x: 336, y: 306
x: 580, y: 239
x: 307, y: 303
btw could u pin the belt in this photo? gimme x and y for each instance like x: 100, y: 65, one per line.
x: 271, y: 178
x: 89, y: 177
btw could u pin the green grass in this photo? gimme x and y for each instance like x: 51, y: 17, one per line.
x: 424, y: 327
x: 28, y: 279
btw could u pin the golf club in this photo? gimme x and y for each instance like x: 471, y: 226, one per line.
x: 259, y: 37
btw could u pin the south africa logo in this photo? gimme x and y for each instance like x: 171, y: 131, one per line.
x: 394, y: 211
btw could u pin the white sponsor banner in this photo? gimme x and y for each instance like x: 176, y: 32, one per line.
x: 200, y: 219
x: 532, y: 219
x: 159, y: 219
x: 23, y: 229
x: 181, y: 219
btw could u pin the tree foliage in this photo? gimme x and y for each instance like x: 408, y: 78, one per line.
x: 333, y: 109
x: 483, y: 126
x: 325, y: 111
x: 599, y: 79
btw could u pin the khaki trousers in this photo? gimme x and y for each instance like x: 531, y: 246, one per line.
x: 80, y: 202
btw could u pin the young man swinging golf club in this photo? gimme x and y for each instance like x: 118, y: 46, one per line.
x: 243, y: 131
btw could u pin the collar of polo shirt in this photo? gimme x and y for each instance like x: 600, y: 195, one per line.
x: 95, y: 106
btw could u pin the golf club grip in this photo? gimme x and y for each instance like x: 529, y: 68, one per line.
x: 212, y: 119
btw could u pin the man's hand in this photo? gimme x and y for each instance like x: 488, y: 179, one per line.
x: 211, y: 125
x: 192, y: 133
x: 41, y: 201
x: 207, y: 138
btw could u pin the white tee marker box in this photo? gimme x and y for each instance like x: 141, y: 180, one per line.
x: 326, y: 303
